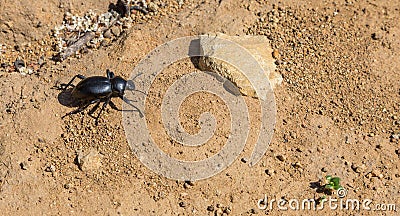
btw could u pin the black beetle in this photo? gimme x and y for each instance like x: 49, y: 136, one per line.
x: 97, y: 89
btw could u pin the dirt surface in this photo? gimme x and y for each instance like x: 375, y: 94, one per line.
x: 338, y: 111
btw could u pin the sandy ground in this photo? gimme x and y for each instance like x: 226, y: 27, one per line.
x: 338, y: 111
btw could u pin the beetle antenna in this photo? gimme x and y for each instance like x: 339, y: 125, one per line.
x: 137, y: 76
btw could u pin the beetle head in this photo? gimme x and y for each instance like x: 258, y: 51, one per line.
x: 130, y: 85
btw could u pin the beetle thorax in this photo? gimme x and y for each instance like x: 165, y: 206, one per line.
x: 118, y: 86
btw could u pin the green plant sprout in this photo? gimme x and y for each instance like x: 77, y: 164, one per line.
x: 333, y: 183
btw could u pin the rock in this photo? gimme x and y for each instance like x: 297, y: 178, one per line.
x: 253, y: 211
x: 244, y: 160
x: 395, y: 136
x: 89, y: 161
x: 270, y: 172
x: 376, y: 173
x: 4, y: 65
x: 210, y: 208
x: 116, y: 31
x: 67, y: 186
x: 50, y: 168
x: 275, y: 54
x: 376, y: 36
x: 41, y: 61
x: 182, y: 204
x: 218, y: 212
x: 228, y: 210
x: 18, y: 64
x: 23, y: 165
x: 107, y: 34
x: 257, y: 46
x: 297, y: 165
x: 152, y: 7
x: 281, y: 158
x: 358, y: 168
x: 186, y: 185
x: 324, y: 169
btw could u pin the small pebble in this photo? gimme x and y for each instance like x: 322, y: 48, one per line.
x: 19, y: 64
x: 182, y: 204
x: 324, y: 169
x: 107, y: 34
x: 228, y: 210
x: 4, y: 65
x: 50, y: 168
x: 377, y: 173
x: 376, y: 36
x: 244, y: 160
x: 253, y: 211
x: 275, y: 54
x: 23, y: 165
x: 186, y: 185
x: 297, y: 165
x: 116, y: 31
x: 270, y: 172
x: 210, y: 208
x: 281, y: 158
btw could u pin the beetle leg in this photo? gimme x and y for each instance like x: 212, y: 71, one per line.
x: 80, y: 109
x: 102, y: 108
x: 95, y: 106
x: 70, y: 82
x: 112, y: 105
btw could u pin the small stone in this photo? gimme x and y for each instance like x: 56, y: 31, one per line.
x: 395, y: 136
x: 190, y: 183
x: 50, y: 168
x: 371, y: 134
x: 89, y: 161
x: 67, y: 186
x: 153, y: 7
x: 297, y: 165
x: 18, y: 64
x: 244, y: 160
x: 186, y: 185
x: 376, y: 36
x: 210, y: 208
x: 275, y: 54
x: 182, y: 204
x: 358, y: 169
x: 281, y: 158
x: 270, y: 172
x: 228, y: 210
x: 4, y: 65
x: 324, y: 169
x: 107, y: 34
x: 218, y: 212
x: 41, y: 61
x: 377, y: 173
x: 253, y: 211
x: 23, y: 165
x: 116, y: 31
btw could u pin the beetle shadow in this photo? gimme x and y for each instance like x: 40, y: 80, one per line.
x: 65, y: 98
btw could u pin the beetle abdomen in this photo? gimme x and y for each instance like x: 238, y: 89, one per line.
x: 92, y: 87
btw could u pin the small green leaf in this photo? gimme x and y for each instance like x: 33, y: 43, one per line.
x: 335, y: 180
x: 328, y: 178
